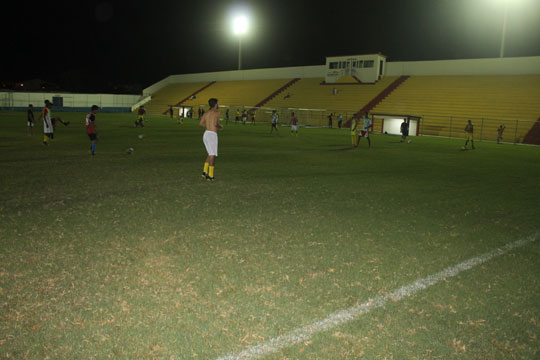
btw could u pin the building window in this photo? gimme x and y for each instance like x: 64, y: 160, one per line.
x: 333, y: 65
x: 368, y: 63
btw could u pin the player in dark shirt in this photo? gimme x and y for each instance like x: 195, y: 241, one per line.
x: 30, y: 119
x: 404, y: 130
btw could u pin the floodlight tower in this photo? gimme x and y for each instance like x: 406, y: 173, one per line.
x: 240, y: 26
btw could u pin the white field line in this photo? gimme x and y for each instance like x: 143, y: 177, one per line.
x: 344, y: 316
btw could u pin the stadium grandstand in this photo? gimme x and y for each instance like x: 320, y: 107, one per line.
x: 439, y: 95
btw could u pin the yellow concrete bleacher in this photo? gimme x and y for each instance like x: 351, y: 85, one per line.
x: 246, y: 93
x: 310, y: 94
x: 305, y: 93
x: 171, y: 95
x: 481, y: 98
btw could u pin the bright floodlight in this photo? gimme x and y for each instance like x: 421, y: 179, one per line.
x: 240, y: 25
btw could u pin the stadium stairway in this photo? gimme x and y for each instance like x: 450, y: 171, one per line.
x: 190, y: 96
x: 377, y: 99
x: 277, y: 92
x: 533, y: 136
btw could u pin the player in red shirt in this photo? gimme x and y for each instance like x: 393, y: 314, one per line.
x: 91, y: 129
x: 140, y: 116
x: 294, y: 124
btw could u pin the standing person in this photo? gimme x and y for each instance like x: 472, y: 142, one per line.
x: 253, y: 117
x: 244, y: 116
x: 404, y: 129
x: 294, y: 124
x: 30, y: 117
x: 140, y: 116
x: 354, y: 130
x: 237, y: 116
x: 500, y: 131
x: 274, y: 122
x: 180, y: 120
x: 339, y: 120
x: 330, y: 118
x: 366, y: 125
x: 469, y: 129
x: 171, y: 112
x: 48, y: 131
x: 91, y: 128
x: 210, y: 121
x: 227, y: 117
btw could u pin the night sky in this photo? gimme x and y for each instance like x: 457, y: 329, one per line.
x: 94, y: 46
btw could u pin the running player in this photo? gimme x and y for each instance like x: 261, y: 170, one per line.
x: 294, y: 124
x: 210, y: 121
x: 469, y: 129
x: 54, y: 120
x: 274, y: 122
x: 48, y: 131
x: 367, y: 124
x: 91, y: 129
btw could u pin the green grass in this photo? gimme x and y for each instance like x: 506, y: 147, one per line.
x: 136, y: 257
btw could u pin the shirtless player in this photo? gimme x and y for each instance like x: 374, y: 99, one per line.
x: 210, y: 121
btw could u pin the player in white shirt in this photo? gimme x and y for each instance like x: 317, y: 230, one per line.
x: 274, y: 121
x: 367, y: 124
x: 48, y: 131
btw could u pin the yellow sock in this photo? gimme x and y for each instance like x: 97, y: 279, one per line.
x: 45, y: 138
x: 206, y: 165
x: 211, y: 173
x: 353, y: 138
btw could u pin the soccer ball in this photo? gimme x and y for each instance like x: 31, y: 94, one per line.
x: 141, y: 136
x: 129, y: 151
x: 463, y: 148
x: 409, y: 141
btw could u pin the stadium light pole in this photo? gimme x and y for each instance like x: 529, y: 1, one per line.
x: 240, y: 25
x: 505, y: 20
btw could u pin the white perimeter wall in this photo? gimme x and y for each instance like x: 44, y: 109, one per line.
x: 496, y: 66
x: 22, y: 99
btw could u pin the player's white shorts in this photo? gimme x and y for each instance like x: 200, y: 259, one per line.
x: 294, y: 127
x: 210, y: 141
x: 30, y: 123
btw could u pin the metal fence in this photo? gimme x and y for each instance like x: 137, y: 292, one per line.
x: 485, y: 129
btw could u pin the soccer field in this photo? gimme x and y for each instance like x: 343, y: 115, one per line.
x: 137, y: 257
